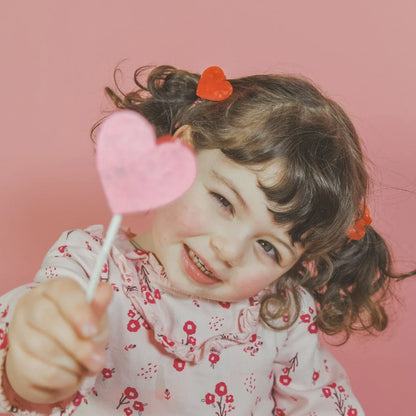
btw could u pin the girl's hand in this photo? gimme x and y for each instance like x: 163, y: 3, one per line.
x: 56, y: 339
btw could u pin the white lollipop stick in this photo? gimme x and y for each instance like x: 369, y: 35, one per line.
x: 102, y: 256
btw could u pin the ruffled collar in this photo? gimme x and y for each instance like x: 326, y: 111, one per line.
x: 189, y: 328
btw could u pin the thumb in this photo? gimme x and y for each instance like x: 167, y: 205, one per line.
x: 102, y: 299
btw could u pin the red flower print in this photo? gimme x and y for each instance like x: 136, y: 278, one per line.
x: 156, y: 294
x: 4, y: 313
x: 229, y: 398
x: 279, y: 412
x: 78, y: 399
x: 178, y: 364
x: 3, y: 339
x: 213, y: 358
x: 131, y: 393
x: 221, y: 389
x: 225, y: 305
x: 166, y: 342
x: 107, y: 373
x: 131, y: 313
x: 209, y: 398
x: 129, y: 347
x: 326, y: 392
x: 315, y: 375
x: 305, y: 318
x: 341, y: 389
x: 313, y: 328
x: 150, y: 298
x: 62, y: 249
x: 138, y: 406
x: 352, y: 412
x: 133, y: 325
x: 191, y: 340
x: 285, y: 380
x: 253, y: 338
x: 220, y: 400
x: 189, y: 327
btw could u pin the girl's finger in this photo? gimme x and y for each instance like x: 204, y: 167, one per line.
x: 48, y: 320
x: 42, y: 347
x: 46, y: 382
x: 70, y: 299
x: 102, y: 299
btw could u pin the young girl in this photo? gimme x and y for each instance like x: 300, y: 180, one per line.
x: 215, y: 310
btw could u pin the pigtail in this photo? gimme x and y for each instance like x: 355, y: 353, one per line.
x: 349, y: 286
x: 353, y: 297
x: 163, y: 99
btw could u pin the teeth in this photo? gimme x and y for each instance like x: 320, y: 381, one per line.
x: 198, y: 263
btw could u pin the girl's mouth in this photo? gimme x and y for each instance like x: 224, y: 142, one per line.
x: 201, y: 266
x: 196, y: 269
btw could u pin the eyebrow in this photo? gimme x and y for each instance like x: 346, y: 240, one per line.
x: 288, y: 246
x: 230, y: 185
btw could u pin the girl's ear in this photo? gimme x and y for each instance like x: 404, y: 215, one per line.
x: 185, y: 134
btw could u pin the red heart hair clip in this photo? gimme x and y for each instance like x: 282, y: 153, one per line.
x: 213, y: 86
x: 357, y: 230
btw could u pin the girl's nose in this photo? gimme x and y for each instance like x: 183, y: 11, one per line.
x: 228, y: 250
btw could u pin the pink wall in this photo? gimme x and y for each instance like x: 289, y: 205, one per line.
x: 56, y: 57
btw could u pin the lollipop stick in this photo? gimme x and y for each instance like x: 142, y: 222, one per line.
x: 103, y: 254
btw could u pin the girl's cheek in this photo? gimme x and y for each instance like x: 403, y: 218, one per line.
x: 183, y: 217
x: 252, y: 286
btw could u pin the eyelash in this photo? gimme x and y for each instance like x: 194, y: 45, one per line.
x: 275, y: 254
x: 225, y: 204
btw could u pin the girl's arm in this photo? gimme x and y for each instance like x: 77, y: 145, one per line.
x: 308, y: 379
x: 39, y: 359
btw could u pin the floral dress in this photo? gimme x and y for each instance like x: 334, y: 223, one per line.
x: 175, y: 355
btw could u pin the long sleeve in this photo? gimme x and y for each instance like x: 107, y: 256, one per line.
x: 308, y: 379
x: 73, y: 255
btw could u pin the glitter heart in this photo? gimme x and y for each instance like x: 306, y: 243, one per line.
x: 137, y: 172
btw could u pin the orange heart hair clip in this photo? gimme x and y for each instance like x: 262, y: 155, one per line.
x: 357, y: 230
x: 213, y: 85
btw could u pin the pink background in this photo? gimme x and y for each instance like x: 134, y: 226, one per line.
x: 56, y: 57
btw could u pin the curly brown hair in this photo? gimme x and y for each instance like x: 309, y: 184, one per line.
x: 322, y: 191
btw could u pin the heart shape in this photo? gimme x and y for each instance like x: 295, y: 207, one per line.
x: 213, y: 86
x: 137, y: 173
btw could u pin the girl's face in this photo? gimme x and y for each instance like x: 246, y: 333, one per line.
x: 219, y: 241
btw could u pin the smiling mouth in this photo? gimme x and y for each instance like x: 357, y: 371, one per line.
x: 198, y: 263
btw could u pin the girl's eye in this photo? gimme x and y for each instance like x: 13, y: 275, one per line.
x: 224, y: 203
x: 269, y: 249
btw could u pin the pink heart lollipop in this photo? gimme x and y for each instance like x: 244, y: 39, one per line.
x: 138, y: 174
